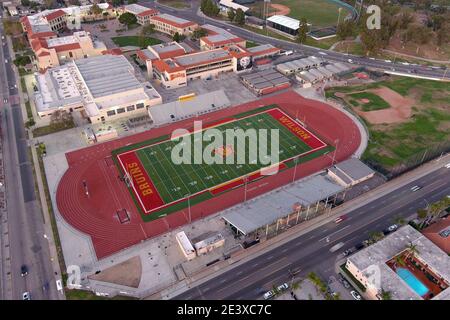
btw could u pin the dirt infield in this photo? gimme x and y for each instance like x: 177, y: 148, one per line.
x: 280, y: 9
x: 400, y: 110
x: 96, y: 214
x: 400, y: 107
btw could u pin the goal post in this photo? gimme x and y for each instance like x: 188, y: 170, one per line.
x: 128, y: 180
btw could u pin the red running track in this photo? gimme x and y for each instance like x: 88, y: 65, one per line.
x: 95, y: 215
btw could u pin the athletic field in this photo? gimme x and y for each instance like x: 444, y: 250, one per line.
x: 158, y: 185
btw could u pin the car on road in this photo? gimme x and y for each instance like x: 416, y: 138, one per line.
x: 447, y: 165
x: 23, y: 270
x: 6, y: 60
x: 283, y: 287
x: 392, y: 228
x: 322, y: 53
x: 5, y: 100
x: 355, y: 295
x: 388, y: 61
x: 348, y: 252
x: 416, y: 188
x: 340, y: 219
x: 269, y: 294
x: 26, y: 296
x: 350, y: 61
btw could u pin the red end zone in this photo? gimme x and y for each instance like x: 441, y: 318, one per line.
x: 307, y: 137
x: 143, y: 187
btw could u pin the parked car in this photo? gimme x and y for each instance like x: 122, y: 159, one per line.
x: 355, y: 295
x: 392, y: 228
x: 283, y: 287
x: 26, y: 296
x: 348, y: 252
x: 23, y: 270
x: 447, y: 166
x: 269, y: 294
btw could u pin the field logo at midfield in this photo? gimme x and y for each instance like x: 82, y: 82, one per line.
x: 230, y: 146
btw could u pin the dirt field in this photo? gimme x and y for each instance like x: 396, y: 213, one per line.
x: 127, y: 273
x: 400, y: 110
x: 280, y: 9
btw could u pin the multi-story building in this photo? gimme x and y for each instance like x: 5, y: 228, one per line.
x: 160, y: 51
x: 169, y: 24
x: 143, y: 14
x: 104, y: 87
x: 53, y: 52
x: 175, y: 72
x: 404, y: 264
x: 219, y: 38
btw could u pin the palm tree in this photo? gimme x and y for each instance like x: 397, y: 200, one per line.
x: 385, y: 295
x: 399, y: 260
x: 412, y: 250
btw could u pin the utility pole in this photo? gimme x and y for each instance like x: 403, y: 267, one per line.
x: 335, y: 151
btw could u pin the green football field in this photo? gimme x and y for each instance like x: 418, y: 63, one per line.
x: 168, y: 183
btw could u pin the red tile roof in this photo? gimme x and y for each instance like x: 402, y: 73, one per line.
x: 150, y: 12
x: 432, y: 233
x: 222, y: 42
x: 43, y: 54
x: 42, y: 35
x: 162, y: 66
x: 67, y: 47
x: 55, y: 14
x: 173, y: 23
x: 114, y: 52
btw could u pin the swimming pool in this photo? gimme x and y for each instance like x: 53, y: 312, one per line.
x: 412, y: 281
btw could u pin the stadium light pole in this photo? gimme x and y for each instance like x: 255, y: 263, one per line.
x: 245, y: 188
x: 295, y: 169
x: 335, y: 151
x: 189, y: 206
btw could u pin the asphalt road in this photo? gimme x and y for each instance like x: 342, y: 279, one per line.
x: 311, y: 251
x: 191, y: 14
x: 27, y: 244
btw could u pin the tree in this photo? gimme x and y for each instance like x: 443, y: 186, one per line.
x: 422, y: 213
x: 231, y: 14
x: 345, y: 29
x: 22, y: 60
x: 302, y: 31
x: 95, y: 10
x: 411, y: 250
x: 132, y: 1
x: 239, y: 17
x: 209, y: 8
x: 178, y: 37
x: 385, y: 295
x: 148, y: 29
x: 25, y: 3
x: 117, y: 3
x: 127, y: 19
x: 199, y: 33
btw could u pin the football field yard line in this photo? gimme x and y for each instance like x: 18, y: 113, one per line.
x: 170, y: 162
x: 175, y: 185
x: 156, y: 171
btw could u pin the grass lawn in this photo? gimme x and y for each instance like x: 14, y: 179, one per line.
x: 392, y: 144
x: 251, y: 44
x: 322, y: 44
x: 88, y: 295
x: 52, y: 128
x: 321, y: 13
x: 375, y: 102
x: 135, y: 41
x: 178, y: 4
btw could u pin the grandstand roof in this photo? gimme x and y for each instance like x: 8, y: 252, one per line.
x: 285, y: 21
x: 258, y: 212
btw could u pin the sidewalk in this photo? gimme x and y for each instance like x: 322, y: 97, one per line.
x: 253, y: 252
x: 43, y: 201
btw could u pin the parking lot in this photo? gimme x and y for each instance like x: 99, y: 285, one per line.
x: 229, y: 82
